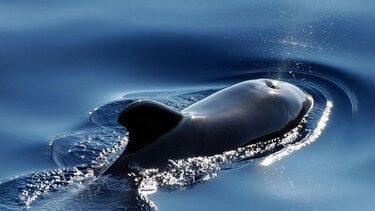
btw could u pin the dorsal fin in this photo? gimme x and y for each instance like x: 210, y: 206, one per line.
x: 146, y: 121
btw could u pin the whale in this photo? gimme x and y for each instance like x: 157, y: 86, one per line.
x: 244, y: 113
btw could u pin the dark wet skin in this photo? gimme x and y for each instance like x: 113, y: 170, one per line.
x: 236, y: 116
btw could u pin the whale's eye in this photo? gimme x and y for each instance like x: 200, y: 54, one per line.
x: 272, y: 84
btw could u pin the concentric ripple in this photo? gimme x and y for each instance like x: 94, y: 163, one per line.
x: 84, y: 153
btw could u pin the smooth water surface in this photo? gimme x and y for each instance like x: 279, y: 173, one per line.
x: 68, y: 68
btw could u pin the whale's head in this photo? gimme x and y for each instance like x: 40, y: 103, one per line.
x: 287, y: 97
x: 266, y: 97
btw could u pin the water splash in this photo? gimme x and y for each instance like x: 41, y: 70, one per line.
x: 322, y: 123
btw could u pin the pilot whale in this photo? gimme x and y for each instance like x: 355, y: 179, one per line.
x: 236, y: 116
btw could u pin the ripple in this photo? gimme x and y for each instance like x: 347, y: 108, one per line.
x: 84, y: 153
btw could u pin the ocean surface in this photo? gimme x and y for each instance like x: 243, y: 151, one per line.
x: 68, y: 68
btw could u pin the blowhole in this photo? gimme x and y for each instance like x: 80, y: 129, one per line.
x: 273, y: 84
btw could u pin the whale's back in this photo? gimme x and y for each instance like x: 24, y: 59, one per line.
x: 238, y: 115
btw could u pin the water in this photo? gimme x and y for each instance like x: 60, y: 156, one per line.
x: 68, y: 68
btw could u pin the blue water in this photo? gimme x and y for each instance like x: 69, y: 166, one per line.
x: 68, y: 68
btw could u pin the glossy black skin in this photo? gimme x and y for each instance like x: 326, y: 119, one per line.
x: 236, y: 116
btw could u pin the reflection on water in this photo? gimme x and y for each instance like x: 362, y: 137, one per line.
x: 58, y: 61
